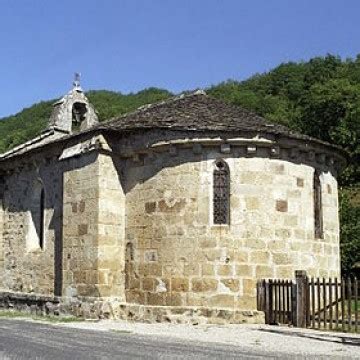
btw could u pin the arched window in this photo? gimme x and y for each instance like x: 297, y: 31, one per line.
x: 221, y: 193
x: 318, y: 218
x: 79, y: 111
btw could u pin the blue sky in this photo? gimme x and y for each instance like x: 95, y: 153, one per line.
x: 127, y: 45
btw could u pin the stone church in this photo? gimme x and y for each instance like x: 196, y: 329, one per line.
x: 175, y: 209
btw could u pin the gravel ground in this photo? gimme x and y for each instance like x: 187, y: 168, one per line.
x: 293, y: 342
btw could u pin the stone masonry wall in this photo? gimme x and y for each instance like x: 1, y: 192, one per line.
x: 93, y: 223
x: 177, y: 257
x: 111, y: 227
x: 28, y: 268
x: 80, y: 226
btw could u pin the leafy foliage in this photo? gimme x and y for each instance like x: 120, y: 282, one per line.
x: 320, y: 98
x: 350, y: 230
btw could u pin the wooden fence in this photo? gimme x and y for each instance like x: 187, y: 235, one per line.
x: 308, y: 302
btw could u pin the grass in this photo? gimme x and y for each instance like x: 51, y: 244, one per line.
x: 353, y: 307
x: 12, y: 314
x: 121, y: 331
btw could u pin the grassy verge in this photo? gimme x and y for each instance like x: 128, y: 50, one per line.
x: 121, y: 331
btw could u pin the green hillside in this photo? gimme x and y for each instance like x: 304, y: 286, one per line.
x: 320, y: 98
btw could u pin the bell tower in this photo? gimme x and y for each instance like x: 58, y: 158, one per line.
x: 73, y: 112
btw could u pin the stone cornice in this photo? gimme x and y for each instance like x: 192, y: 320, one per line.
x: 297, y: 151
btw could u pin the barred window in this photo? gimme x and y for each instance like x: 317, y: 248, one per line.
x: 221, y: 193
x: 318, y: 217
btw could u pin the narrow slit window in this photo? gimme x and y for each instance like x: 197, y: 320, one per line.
x: 35, y: 227
x: 221, y: 193
x: 42, y: 219
x: 318, y: 216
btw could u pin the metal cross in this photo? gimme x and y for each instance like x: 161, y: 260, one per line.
x: 76, y: 82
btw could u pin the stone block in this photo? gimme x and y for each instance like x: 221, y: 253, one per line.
x: 277, y: 168
x: 281, y: 205
x: 180, y: 284
x: 244, y: 270
x: 221, y: 301
x: 281, y: 258
x: 192, y: 269
x: 284, y: 272
x: 158, y: 299
x: 255, y: 243
x: 241, y: 256
x: 232, y: 284
x: 174, y: 299
x: 263, y: 271
x: 148, y: 284
x: 74, y: 207
x: 282, y: 233
x: 259, y: 257
x: 207, y: 269
x: 203, y: 284
x: 212, y: 254
x: 82, y: 229
x: 208, y: 243
x: 134, y: 284
x: 82, y: 205
x: 150, y: 207
x: 291, y: 220
x: 152, y: 269
x: 246, y: 302
x: 252, y: 203
x: 275, y: 245
x: 249, y: 287
x: 224, y: 270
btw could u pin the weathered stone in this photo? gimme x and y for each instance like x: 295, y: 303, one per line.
x: 252, y: 203
x: 244, y: 270
x: 300, y: 182
x: 281, y: 205
x: 259, y: 257
x: 150, y: 207
x: 224, y: 270
x: 203, y: 284
x: 263, y: 271
x: 180, y: 284
x: 207, y: 269
x: 222, y: 300
x: 232, y: 284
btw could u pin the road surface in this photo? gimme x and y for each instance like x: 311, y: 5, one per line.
x: 24, y: 339
x: 30, y: 340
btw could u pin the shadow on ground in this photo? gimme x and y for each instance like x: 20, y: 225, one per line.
x: 333, y: 337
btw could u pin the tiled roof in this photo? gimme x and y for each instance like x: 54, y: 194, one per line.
x: 196, y: 111
x: 191, y: 112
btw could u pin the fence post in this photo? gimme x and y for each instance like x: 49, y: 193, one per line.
x: 301, y: 299
x: 268, y: 302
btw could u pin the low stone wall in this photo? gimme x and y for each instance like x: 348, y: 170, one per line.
x: 30, y: 303
x: 95, y: 308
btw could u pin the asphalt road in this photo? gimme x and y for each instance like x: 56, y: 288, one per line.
x: 28, y: 340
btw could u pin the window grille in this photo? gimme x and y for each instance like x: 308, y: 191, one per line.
x: 221, y: 193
